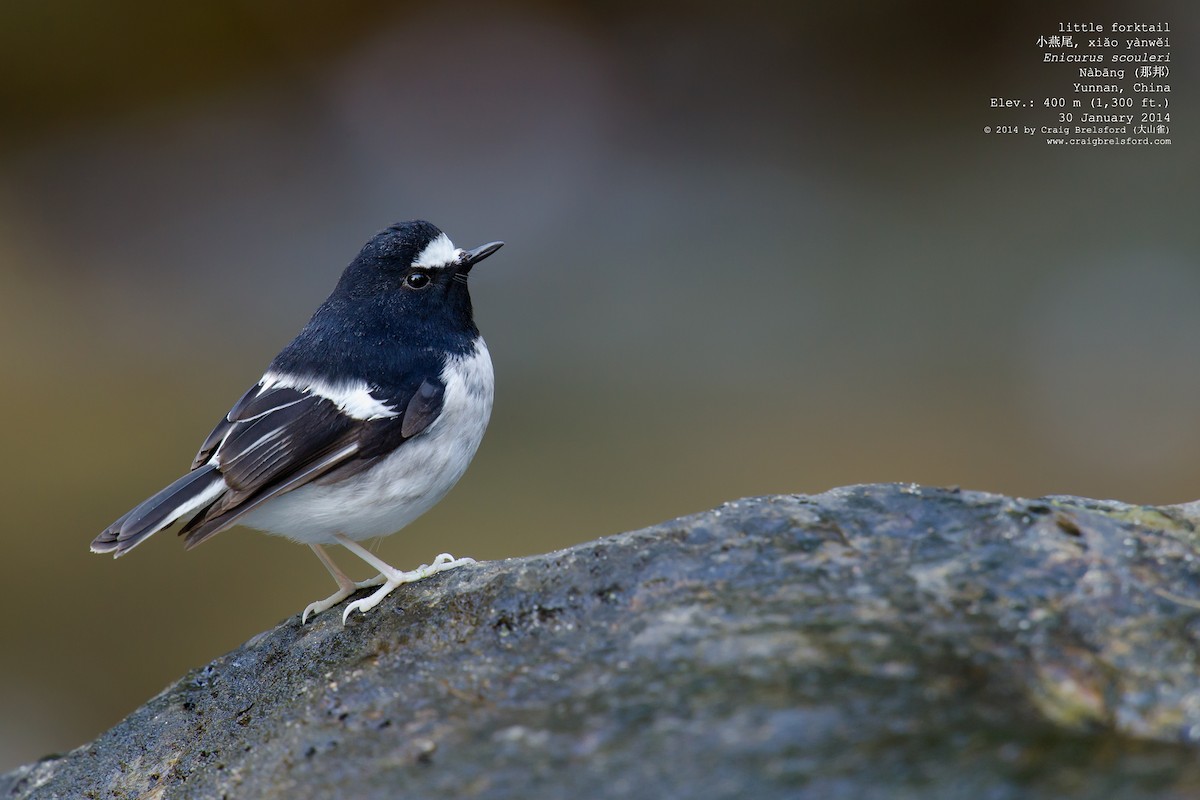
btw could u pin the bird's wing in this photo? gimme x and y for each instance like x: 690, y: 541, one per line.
x: 276, y: 439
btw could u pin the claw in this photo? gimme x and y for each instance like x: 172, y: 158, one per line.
x: 393, y: 578
x: 322, y: 605
x: 337, y: 597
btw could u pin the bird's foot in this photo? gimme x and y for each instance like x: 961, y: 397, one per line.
x: 392, y: 578
x: 341, y: 594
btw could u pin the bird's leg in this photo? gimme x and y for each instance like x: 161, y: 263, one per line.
x: 391, y: 577
x: 346, y: 585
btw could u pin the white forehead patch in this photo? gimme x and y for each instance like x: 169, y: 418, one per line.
x: 441, y: 252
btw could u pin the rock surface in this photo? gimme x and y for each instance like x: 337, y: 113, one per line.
x: 873, y: 641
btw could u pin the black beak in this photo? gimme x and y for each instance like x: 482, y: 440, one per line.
x: 472, y: 257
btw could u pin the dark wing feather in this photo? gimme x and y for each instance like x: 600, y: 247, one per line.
x: 218, y: 433
x: 210, y: 444
x: 271, y: 445
x: 253, y: 403
x: 423, y: 408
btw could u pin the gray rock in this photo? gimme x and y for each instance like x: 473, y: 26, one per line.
x: 873, y: 641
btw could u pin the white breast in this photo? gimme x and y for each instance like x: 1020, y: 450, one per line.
x: 405, y: 484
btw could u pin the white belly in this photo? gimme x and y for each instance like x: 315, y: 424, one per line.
x: 405, y: 484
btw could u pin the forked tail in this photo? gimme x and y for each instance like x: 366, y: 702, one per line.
x: 185, y: 496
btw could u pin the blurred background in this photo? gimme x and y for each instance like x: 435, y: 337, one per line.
x: 752, y: 248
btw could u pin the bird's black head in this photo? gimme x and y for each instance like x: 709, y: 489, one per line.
x: 413, y: 269
x: 406, y: 290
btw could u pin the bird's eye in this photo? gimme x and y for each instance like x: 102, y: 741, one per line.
x: 417, y: 279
